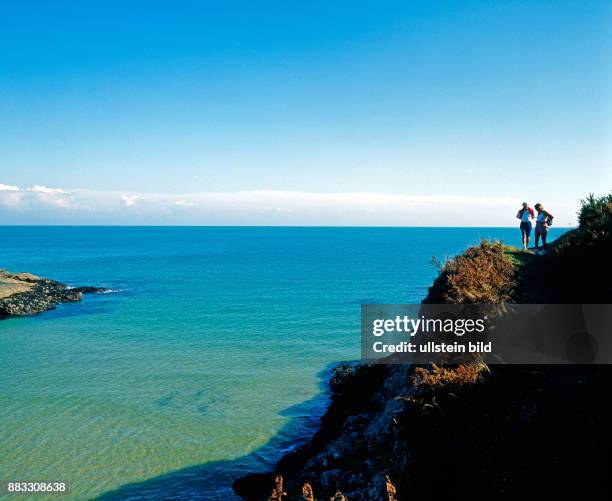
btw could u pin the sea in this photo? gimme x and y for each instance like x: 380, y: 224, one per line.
x: 208, y: 357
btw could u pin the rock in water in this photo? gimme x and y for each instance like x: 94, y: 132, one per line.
x: 26, y: 294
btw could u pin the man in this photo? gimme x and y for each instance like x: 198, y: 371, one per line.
x: 543, y: 221
x: 525, y: 215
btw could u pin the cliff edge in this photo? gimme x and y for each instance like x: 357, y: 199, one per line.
x: 400, y: 432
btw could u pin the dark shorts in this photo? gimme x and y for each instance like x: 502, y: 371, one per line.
x: 541, y: 228
x: 526, y: 228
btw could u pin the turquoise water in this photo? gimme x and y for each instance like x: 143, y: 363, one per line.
x: 205, y: 361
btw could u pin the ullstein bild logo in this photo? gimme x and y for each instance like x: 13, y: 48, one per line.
x: 493, y: 333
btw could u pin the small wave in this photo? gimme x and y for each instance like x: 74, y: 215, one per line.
x: 107, y: 290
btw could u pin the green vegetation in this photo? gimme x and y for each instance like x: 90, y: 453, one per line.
x: 595, y: 216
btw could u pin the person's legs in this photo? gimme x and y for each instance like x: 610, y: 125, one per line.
x: 544, y: 234
x: 537, y: 240
x: 526, y: 232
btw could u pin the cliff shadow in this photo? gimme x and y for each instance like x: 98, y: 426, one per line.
x: 213, y: 480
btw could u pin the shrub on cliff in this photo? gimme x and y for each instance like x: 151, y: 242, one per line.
x: 482, y: 274
x: 443, y: 376
x: 595, y: 216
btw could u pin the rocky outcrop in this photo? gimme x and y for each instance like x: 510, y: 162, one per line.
x: 26, y: 294
x: 445, y: 433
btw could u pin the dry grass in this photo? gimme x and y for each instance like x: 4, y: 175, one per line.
x: 482, y: 274
x: 338, y: 496
x: 439, y: 376
x: 278, y: 492
x: 307, y: 493
x: 11, y: 283
x: 391, y: 490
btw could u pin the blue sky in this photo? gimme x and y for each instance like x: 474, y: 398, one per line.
x: 269, y: 105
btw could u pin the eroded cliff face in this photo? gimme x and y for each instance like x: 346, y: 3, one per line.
x: 27, y: 294
x: 401, y: 432
x: 367, y: 443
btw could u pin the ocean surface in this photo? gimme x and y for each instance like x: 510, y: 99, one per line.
x: 207, y: 359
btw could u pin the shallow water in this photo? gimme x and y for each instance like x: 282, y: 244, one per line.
x: 205, y: 360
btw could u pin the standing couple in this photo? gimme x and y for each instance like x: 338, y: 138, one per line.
x: 543, y: 221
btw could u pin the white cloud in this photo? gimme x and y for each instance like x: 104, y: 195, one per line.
x: 44, y: 205
x: 35, y: 198
x: 129, y: 200
x: 43, y: 189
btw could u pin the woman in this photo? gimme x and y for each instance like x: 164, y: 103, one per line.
x: 543, y: 221
x: 525, y: 215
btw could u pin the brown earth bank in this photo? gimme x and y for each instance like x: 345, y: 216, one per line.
x: 428, y: 432
x: 27, y: 294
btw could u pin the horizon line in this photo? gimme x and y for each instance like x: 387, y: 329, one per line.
x: 249, y: 226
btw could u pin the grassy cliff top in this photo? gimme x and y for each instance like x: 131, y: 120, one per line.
x: 575, y: 269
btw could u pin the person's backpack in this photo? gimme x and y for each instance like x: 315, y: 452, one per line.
x: 549, y: 219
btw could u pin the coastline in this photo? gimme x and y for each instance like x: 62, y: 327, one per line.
x: 392, y: 432
x: 26, y: 294
x: 387, y: 427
